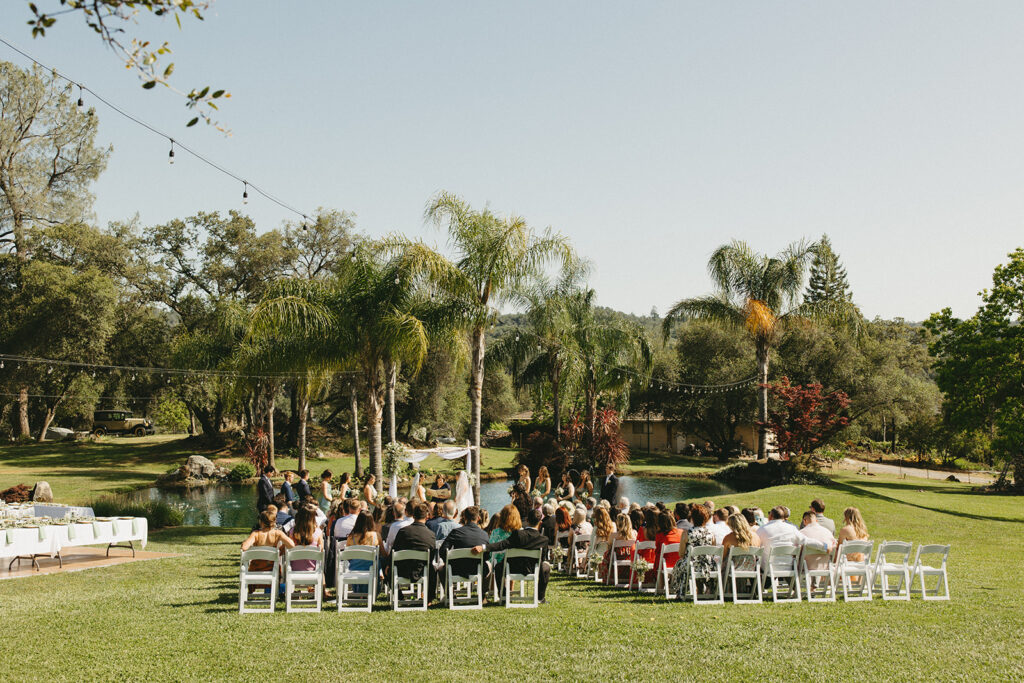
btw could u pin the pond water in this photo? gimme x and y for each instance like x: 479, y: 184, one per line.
x: 234, y: 506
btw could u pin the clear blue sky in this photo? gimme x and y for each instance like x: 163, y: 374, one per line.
x: 648, y: 132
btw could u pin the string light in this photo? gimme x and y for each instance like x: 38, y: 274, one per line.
x: 170, y: 155
x: 245, y: 192
x: 81, y: 104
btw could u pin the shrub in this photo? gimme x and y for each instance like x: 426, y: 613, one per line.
x: 542, y: 449
x: 241, y: 472
x: 170, y: 414
x: 16, y: 494
x: 751, y: 476
x: 498, y: 427
x: 158, y: 514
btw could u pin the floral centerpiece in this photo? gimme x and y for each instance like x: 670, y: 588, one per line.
x: 594, y: 562
x: 557, y: 553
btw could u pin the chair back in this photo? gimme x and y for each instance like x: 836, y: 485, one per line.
x: 262, y: 553
x: 737, y: 554
x: 618, y: 545
x: 402, y: 555
x: 559, y: 535
x: 668, y: 549
x: 645, y: 545
x: 358, y: 552
x: 849, y: 548
x: 714, y: 551
x: 783, y: 556
x: 514, y: 553
x: 893, y: 552
x: 465, y: 554
x: 306, y: 552
x: 932, y: 553
x: 580, y: 540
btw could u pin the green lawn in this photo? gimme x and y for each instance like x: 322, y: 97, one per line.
x: 177, y: 618
x: 668, y: 464
x: 80, y: 471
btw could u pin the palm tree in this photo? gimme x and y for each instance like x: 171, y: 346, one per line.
x: 762, y: 294
x: 536, y: 354
x: 495, y: 258
x: 367, y: 316
x: 608, y: 354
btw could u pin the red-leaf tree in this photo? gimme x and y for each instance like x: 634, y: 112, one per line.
x: 607, y: 445
x: 804, y: 417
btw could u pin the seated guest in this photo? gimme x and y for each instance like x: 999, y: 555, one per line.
x: 387, y: 519
x: 648, y: 531
x: 506, y: 523
x: 818, y: 506
x: 601, y: 537
x: 853, y: 529
x: 414, y: 536
x: 699, y: 535
x: 521, y: 500
x: 538, y: 504
x: 401, y: 521
x: 447, y: 522
x: 812, y: 529
x: 710, y: 505
x: 266, y: 536
x: 623, y: 532
x: 580, y: 525
x: 588, y: 506
x: 547, y: 525
x: 682, y: 515
x: 637, y: 521
x: 287, y: 491
x: 748, y: 514
x: 740, y: 535
x: 283, y: 513
x: 563, y: 523
x: 718, y: 526
x: 778, y: 530
x: 528, y: 538
x: 668, y: 533
x: 306, y: 532
x: 485, y: 519
x: 343, y: 527
x: 364, y: 533
x: 434, y: 517
x: 623, y: 506
x: 760, y: 517
x: 466, y: 536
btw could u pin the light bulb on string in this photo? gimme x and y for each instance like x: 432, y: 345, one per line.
x: 170, y: 155
x: 245, y: 192
x: 304, y: 219
x: 1, y: 364
x: 81, y: 102
x: 49, y: 369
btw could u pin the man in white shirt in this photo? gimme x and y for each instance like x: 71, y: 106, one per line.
x: 401, y: 521
x: 778, y: 530
x: 343, y: 527
x: 719, y: 529
x: 811, y: 529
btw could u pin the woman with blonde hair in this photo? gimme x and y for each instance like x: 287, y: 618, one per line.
x: 601, y: 537
x: 624, y: 531
x: 543, y: 483
x: 742, y: 537
x: 853, y: 529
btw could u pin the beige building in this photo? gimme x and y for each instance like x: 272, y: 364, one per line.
x: 655, y: 433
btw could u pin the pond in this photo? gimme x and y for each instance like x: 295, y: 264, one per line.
x: 234, y: 506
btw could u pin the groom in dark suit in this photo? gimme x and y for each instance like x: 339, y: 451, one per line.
x: 610, y: 486
x: 265, y: 489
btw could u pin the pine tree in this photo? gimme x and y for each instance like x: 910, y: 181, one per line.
x: 828, y: 276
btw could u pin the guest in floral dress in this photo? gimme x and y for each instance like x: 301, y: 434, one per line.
x: 698, y: 536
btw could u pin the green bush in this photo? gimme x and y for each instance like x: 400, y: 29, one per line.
x: 158, y: 514
x: 762, y: 474
x: 242, y: 471
x: 498, y: 427
x: 170, y: 414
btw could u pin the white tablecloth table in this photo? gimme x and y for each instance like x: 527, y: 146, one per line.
x: 60, y: 511
x: 50, y: 539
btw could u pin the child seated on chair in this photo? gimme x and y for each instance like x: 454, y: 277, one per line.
x: 268, y: 536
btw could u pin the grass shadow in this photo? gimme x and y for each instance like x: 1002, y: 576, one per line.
x: 859, y: 490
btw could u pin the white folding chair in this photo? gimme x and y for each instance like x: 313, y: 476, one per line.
x: 641, y: 546
x: 507, y: 577
x: 715, y: 573
x: 454, y: 581
x: 922, y: 570
x: 665, y: 570
x: 294, y: 580
x: 744, y: 564
x: 619, y: 562
x: 781, y: 564
x: 578, y: 553
x: 267, y: 579
x: 562, y: 564
x: 347, y: 577
x: 848, y: 569
x: 417, y: 587
x: 892, y: 560
x: 819, y: 575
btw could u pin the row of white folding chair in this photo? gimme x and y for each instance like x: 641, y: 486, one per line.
x: 892, y: 560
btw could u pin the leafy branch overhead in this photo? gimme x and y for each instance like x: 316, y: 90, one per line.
x: 109, y: 19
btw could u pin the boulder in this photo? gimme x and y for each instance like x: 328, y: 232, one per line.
x: 42, y: 493
x: 420, y: 434
x: 199, y: 467
x: 222, y: 473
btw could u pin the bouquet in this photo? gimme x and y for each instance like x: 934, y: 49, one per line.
x: 557, y: 553
x: 559, y: 492
x: 594, y: 562
x: 536, y: 493
x: 640, y: 565
x: 510, y: 490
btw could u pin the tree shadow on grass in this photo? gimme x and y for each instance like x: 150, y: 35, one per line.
x: 858, y: 490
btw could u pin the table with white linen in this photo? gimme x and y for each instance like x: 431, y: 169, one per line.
x: 50, y: 539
